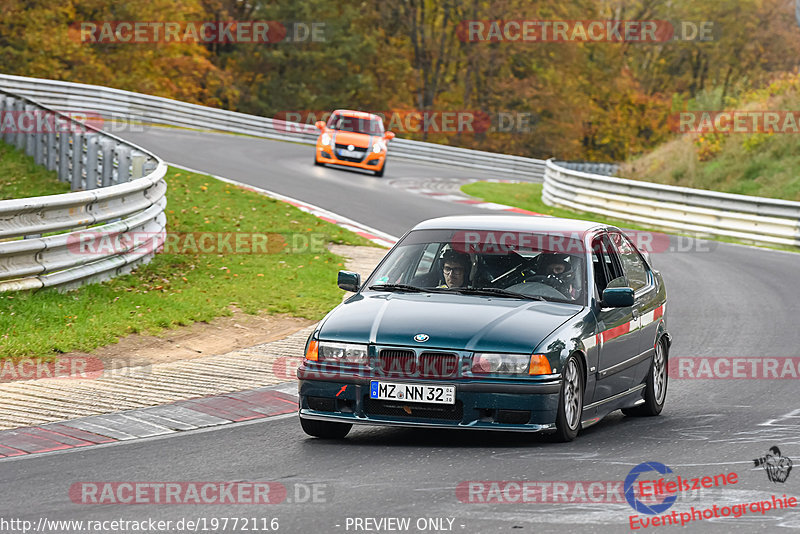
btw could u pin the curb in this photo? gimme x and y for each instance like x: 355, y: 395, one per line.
x: 181, y: 416
x: 376, y: 236
x: 458, y: 197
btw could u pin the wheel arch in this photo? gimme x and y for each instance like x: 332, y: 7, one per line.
x: 583, y: 365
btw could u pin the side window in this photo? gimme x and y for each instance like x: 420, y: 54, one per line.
x: 601, y: 273
x: 634, y: 267
x: 607, y: 270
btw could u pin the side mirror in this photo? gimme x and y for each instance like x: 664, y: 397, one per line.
x: 320, y: 125
x: 618, y: 297
x: 349, y: 281
x: 388, y: 136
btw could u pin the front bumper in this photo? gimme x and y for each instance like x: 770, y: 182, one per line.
x: 372, y: 161
x: 481, y: 404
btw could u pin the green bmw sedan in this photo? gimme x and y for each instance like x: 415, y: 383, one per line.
x: 518, y: 323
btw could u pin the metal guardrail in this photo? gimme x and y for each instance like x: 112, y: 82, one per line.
x: 118, y: 192
x: 755, y: 219
x: 605, y: 169
x: 115, y: 103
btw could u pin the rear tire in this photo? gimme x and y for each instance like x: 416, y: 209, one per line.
x: 655, y: 392
x: 570, y: 401
x: 325, y: 429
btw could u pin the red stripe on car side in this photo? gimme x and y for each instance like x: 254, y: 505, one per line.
x: 617, y: 331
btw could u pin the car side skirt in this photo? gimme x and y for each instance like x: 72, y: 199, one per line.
x: 599, y: 409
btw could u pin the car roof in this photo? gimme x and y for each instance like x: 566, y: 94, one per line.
x: 356, y: 114
x: 511, y: 223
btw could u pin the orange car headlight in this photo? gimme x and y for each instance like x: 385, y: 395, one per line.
x: 540, y: 365
x: 312, y: 353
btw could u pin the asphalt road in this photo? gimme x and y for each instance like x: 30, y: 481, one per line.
x: 724, y: 300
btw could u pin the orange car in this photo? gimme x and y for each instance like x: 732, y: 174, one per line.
x: 353, y: 139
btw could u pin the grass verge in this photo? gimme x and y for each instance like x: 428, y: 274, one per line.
x: 528, y: 196
x: 20, y: 177
x: 179, y: 289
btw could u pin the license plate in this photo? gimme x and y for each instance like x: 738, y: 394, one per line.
x: 350, y: 153
x: 412, y: 392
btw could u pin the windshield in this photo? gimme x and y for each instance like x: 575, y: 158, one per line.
x: 509, y: 264
x: 363, y: 125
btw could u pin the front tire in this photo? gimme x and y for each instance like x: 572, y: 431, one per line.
x: 655, y: 392
x: 317, y: 163
x: 570, y: 401
x: 380, y: 172
x: 325, y: 429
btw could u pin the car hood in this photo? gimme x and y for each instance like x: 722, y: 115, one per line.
x: 350, y: 138
x: 456, y: 322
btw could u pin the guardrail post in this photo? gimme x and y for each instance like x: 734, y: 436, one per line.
x: 39, y: 141
x: 19, y: 109
x: 30, y: 135
x: 107, y: 167
x: 124, y: 164
x: 52, y: 151
x: 92, y: 161
x: 76, y: 158
x: 63, y: 156
x: 2, y: 116
x: 137, y: 165
x: 7, y: 104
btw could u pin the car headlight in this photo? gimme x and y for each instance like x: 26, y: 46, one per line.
x: 349, y: 353
x: 378, y: 147
x: 510, y: 364
x: 513, y: 364
x: 326, y: 139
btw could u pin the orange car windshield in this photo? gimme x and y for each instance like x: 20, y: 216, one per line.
x: 356, y: 125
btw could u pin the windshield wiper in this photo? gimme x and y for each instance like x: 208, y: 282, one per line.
x: 493, y: 291
x: 398, y: 287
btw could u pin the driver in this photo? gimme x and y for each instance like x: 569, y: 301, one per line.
x: 558, y: 272
x: 455, y: 268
